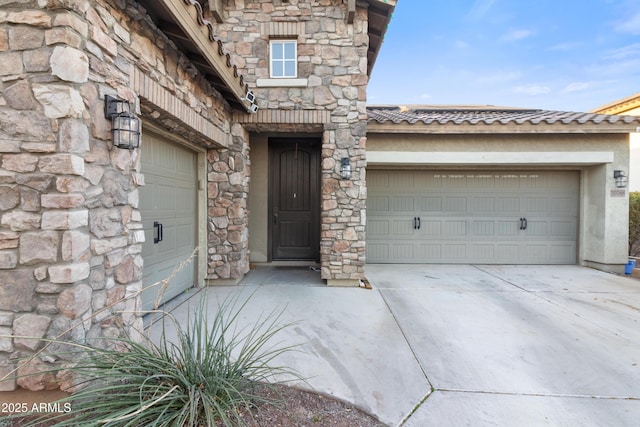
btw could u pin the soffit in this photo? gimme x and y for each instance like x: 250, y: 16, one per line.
x: 380, y: 12
x: 183, y: 22
x: 490, y: 119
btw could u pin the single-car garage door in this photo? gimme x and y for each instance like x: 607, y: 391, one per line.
x: 491, y: 217
x: 168, y: 209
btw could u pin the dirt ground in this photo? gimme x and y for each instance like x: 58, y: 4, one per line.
x: 298, y: 408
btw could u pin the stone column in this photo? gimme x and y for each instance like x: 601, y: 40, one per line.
x: 228, y: 190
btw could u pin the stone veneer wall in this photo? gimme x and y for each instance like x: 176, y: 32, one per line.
x: 332, y: 56
x: 228, y: 220
x: 70, y: 232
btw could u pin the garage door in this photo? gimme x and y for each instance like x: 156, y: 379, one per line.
x: 491, y: 217
x: 168, y: 209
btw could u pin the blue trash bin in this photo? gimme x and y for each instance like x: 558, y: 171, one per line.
x: 628, y: 269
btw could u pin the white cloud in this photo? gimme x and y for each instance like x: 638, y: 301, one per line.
x: 532, y: 89
x: 426, y: 96
x: 461, y: 44
x: 498, y: 77
x: 591, y: 86
x: 515, y: 35
x: 480, y: 9
x: 625, y: 52
x: 630, y: 26
x: 577, y: 87
x: 565, y: 47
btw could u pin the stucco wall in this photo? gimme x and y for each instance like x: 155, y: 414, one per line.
x: 259, y: 200
x: 603, y: 210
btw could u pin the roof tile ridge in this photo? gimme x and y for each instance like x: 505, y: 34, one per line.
x: 213, y: 39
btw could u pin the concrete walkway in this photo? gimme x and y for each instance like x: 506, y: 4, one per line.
x: 448, y: 345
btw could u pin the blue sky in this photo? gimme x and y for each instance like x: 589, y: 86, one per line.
x: 568, y: 55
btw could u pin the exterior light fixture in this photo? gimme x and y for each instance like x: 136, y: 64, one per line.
x: 125, y: 126
x: 251, y: 98
x: 345, y: 168
x: 621, y: 179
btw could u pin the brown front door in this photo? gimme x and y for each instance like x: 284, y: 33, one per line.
x: 295, y: 198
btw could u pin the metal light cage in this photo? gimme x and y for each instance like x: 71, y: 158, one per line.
x: 345, y: 168
x: 621, y: 179
x: 125, y: 126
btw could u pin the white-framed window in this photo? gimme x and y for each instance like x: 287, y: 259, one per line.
x: 283, y: 59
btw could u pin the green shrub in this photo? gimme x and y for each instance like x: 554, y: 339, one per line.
x: 634, y: 224
x: 207, y: 375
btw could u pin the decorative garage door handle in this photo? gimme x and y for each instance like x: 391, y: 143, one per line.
x: 157, y: 232
x: 417, y: 223
x: 523, y: 223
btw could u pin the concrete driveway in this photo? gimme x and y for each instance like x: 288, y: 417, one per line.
x: 519, y: 346
x: 449, y: 345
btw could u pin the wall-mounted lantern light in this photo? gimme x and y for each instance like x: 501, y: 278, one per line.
x: 621, y: 179
x: 345, y: 168
x: 125, y: 126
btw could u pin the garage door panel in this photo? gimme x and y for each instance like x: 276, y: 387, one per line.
x: 507, y: 205
x: 430, y: 251
x: 378, y: 250
x: 472, y: 217
x: 454, y: 229
x: 563, y: 252
x: 428, y: 181
x: 507, y: 253
x: 169, y: 198
x: 563, y: 206
x: 401, y: 228
x: 507, y: 228
x: 378, y: 204
x: 483, y: 204
x: 480, y: 182
x: 482, y: 251
x: 402, y: 204
x: 430, y: 228
x: 563, y: 229
x: 537, y: 229
x: 401, y: 180
x: 430, y: 204
x: 537, y: 205
x: 377, y: 228
x: 402, y: 251
x: 455, y: 204
x: 482, y: 228
x: 454, y: 252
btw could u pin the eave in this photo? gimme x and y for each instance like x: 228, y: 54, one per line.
x: 480, y: 128
x: 380, y: 12
x: 183, y: 22
x: 485, y: 119
x: 620, y: 106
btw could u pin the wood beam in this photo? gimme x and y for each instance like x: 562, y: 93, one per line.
x: 215, y: 6
x: 188, y: 19
x: 351, y: 11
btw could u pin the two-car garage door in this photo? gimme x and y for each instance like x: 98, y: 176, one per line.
x: 491, y: 217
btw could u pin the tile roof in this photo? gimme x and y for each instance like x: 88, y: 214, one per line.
x: 620, y: 106
x: 490, y: 115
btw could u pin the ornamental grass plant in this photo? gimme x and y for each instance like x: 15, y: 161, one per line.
x: 202, y: 373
